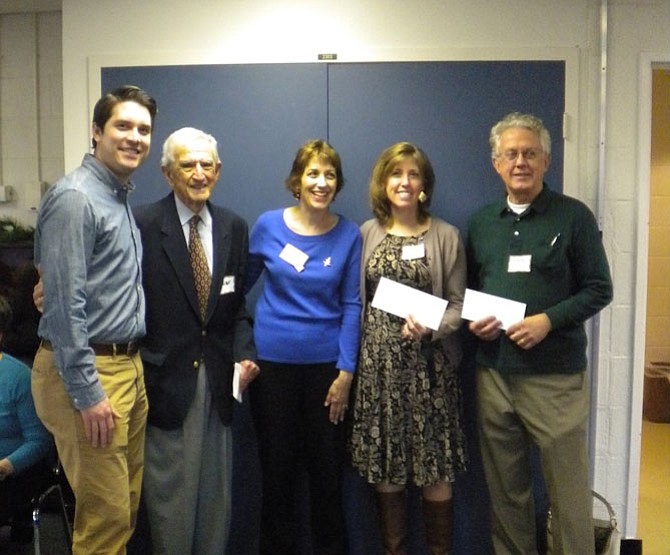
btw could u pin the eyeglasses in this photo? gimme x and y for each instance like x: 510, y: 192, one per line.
x: 190, y: 166
x: 528, y: 154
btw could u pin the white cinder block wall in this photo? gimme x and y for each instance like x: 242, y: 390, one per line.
x: 31, y: 108
x: 638, y: 32
x: 224, y: 31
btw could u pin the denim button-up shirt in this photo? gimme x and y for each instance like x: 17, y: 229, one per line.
x: 89, y: 250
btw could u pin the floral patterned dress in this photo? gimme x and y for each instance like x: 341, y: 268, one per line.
x: 406, y: 425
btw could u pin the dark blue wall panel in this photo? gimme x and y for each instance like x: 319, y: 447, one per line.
x: 446, y: 108
x: 259, y: 114
x: 262, y: 113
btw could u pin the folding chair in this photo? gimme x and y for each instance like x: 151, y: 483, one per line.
x: 56, y: 485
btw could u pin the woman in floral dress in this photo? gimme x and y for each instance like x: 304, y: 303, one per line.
x: 406, y: 426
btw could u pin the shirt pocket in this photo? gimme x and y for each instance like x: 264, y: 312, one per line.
x: 550, y: 256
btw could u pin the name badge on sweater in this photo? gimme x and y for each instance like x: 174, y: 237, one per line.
x: 519, y: 263
x: 294, y: 256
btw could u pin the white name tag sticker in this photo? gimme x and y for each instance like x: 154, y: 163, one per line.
x: 519, y: 263
x: 294, y: 256
x: 412, y: 252
x: 228, y: 285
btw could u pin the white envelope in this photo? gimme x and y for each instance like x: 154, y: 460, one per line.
x: 478, y: 305
x: 402, y: 300
x: 236, y: 382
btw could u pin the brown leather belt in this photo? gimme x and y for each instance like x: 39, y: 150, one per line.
x: 105, y: 349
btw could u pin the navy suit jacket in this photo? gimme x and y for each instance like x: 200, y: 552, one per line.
x: 177, y: 341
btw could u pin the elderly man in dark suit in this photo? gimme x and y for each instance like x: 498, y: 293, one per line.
x: 198, y: 335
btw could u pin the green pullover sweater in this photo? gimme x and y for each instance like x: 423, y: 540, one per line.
x: 569, y: 278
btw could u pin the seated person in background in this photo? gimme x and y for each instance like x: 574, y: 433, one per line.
x: 24, y: 442
x: 6, y: 279
x: 20, y: 339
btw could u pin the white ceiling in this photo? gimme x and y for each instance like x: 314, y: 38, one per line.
x: 23, y: 6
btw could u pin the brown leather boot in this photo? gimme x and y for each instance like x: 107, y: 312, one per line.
x: 392, y: 509
x: 438, y: 521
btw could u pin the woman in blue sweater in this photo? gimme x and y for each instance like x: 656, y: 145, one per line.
x: 306, y: 332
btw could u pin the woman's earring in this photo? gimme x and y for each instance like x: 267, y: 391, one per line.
x: 422, y: 197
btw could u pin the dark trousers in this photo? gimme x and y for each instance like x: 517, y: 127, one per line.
x: 287, y: 403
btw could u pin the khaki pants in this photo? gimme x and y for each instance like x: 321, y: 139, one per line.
x: 550, y: 411
x: 106, y: 481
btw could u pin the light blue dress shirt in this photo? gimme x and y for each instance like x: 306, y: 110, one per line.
x: 90, y: 253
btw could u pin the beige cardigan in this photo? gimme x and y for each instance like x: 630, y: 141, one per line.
x: 446, y: 259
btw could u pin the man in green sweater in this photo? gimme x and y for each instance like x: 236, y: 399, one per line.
x: 544, y: 249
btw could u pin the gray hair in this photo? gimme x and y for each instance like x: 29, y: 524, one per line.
x: 517, y: 119
x: 184, y: 137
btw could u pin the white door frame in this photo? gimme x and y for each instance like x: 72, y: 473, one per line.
x: 648, y: 62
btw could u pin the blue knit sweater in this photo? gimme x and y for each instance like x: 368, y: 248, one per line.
x: 309, y: 316
x: 23, y: 438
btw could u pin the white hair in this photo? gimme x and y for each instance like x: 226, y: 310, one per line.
x: 184, y: 137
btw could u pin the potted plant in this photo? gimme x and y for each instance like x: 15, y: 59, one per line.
x: 16, y: 242
x: 13, y: 232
